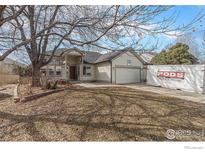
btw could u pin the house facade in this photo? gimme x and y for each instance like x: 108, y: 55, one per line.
x: 120, y: 67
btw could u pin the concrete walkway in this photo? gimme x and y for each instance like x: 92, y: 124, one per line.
x: 190, y: 96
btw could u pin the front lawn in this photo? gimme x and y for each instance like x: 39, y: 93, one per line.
x: 102, y: 114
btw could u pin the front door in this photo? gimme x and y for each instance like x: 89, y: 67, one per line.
x: 73, y: 73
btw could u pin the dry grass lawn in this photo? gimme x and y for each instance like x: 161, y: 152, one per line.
x: 101, y: 114
x: 8, y: 79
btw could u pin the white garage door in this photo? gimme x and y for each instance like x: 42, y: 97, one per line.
x: 127, y: 75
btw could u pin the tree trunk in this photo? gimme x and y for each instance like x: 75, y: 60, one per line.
x: 2, y: 8
x: 36, y: 76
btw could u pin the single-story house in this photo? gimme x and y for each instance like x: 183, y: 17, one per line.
x: 118, y: 67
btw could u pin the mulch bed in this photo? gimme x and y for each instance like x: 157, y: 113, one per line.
x: 28, y: 93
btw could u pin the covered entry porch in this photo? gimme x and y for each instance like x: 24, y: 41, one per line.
x: 68, y: 66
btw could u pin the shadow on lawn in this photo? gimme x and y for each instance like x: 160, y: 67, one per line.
x: 4, y: 96
x: 124, y: 113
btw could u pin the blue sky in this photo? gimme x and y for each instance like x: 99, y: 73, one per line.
x: 185, y: 15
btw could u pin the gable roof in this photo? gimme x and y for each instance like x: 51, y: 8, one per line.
x: 111, y: 55
x: 58, y: 52
x: 108, y: 56
x: 134, y: 53
x: 91, y: 57
x: 96, y: 57
x: 61, y: 51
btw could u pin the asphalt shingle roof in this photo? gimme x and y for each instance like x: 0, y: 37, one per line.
x: 59, y: 51
x: 107, y: 56
x: 91, y: 57
x: 96, y: 57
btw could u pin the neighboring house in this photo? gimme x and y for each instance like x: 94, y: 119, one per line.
x: 7, y: 66
x: 120, y: 67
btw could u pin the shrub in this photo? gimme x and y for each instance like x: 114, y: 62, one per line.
x: 48, y: 85
x: 51, y: 85
x: 176, y: 54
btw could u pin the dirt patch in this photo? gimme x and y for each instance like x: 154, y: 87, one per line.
x: 26, y: 89
x: 101, y: 114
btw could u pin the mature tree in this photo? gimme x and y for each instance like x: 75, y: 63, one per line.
x: 6, y: 17
x: 42, y: 28
x: 189, y: 39
x: 176, y: 54
x: 22, y: 70
x: 2, y: 8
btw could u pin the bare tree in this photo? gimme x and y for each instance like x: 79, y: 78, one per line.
x: 2, y: 8
x: 45, y: 28
x: 190, y: 40
x: 4, y: 17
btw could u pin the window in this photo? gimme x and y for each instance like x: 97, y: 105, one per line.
x: 87, y: 70
x: 129, y: 62
x: 84, y: 70
x: 58, y: 73
x: 51, y: 72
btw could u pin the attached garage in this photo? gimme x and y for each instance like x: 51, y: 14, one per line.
x: 122, y: 67
x: 127, y: 68
x: 126, y: 75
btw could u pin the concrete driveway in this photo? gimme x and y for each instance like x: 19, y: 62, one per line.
x: 190, y: 96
